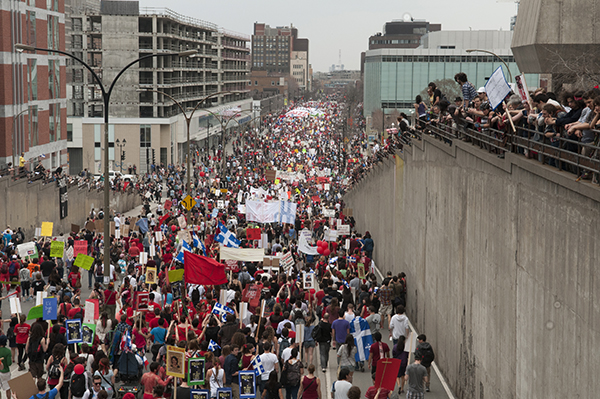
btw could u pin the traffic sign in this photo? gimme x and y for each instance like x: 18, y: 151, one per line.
x: 188, y: 202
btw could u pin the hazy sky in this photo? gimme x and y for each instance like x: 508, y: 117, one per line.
x: 334, y: 25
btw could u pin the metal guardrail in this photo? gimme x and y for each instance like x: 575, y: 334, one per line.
x: 166, y: 12
x: 562, y: 153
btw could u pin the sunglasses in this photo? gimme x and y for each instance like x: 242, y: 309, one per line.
x: 97, y: 383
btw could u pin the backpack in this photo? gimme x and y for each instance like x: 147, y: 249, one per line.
x: 293, y: 374
x: 54, y: 371
x: 78, y: 385
x: 316, y: 332
x: 195, y: 296
x: 99, y: 269
x: 12, y: 268
x: 36, y: 352
x: 285, y: 343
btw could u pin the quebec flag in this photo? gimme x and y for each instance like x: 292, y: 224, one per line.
x: 360, y: 330
x: 212, y: 346
x: 227, y: 238
x: 258, y: 366
x: 222, y: 311
x: 287, y: 212
x: 184, y: 247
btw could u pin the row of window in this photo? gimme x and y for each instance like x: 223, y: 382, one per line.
x: 395, y: 41
x: 53, y: 123
x: 438, y: 58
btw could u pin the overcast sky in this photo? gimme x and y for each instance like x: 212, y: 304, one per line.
x: 334, y: 25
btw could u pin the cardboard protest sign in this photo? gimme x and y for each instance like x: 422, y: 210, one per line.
x: 175, y: 361
x: 57, y: 249
x: 23, y: 386
x: 73, y: 331
x: 84, y: 261
x: 28, y: 250
x: 196, y: 372
x: 387, y: 372
x: 91, y: 226
x: 15, y: 304
x: 141, y: 299
x: 88, y: 330
x: 80, y: 247
x: 175, y: 275
x: 91, y: 311
x: 151, y: 275
x: 75, y: 228
x: 270, y: 175
x: 168, y: 204
x: 47, y: 229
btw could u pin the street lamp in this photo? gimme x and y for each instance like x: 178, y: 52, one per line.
x: 496, y: 55
x: 121, y: 152
x: 224, y: 121
x: 106, y: 100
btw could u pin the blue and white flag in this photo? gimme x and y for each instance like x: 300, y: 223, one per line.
x: 197, y: 243
x: 258, y: 366
x: 184, y: 247
x: 227, y: 238
x: 143, y: 225
x: 359, y: 328
x: 212, y: 346
x: 287, y: 212
x: 222, y: 311
x: 165, y: 229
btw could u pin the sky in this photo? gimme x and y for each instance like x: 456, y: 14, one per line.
x: 334, y: 25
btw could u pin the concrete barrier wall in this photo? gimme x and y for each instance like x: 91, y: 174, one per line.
x: 27, y: 205
x: 500, y: 257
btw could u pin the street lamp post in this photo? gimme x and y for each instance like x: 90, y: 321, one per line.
x: 496, y: 55
x: 188, y: 121
x: 121, y: 153
x: 223, y: 121
x: 106, y: 100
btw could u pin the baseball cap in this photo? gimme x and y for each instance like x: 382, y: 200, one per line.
x: 481, y: 90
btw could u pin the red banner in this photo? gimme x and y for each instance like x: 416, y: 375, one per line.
x: 231, y: 264
x: 251, y: 294
x: 253, y: 234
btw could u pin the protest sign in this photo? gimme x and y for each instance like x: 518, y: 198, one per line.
x: 497, y: 88
x: 47, y: 229
x: 247, y: 384
x: 73, y: 331
x: 50, y: 306
x: 57, y: 249
x: 27, y: 250
x: 175, y: 361
x: 80, y: 247
x: 23, y: 386
x: 196, y: 373
x: 175, y: 275
x: 387, y: 372
x: 84, y: 261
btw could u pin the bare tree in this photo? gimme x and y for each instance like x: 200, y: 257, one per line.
x: 576, y: 72
x: 448, y: 87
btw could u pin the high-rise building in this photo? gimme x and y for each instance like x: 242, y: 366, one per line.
x: 33, y: 103
x: 405, y: 33
x: 150, y: 122
x: 280, y: 53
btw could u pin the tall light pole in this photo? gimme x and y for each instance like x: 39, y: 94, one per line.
x: 121, y: 153
x: 188, y: 121
x: 224, y: 121
x: 496, y: 55
x: 106, y: 99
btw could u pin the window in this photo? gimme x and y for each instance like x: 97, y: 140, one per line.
x: 76, y: 24
x: 53, y: 38
x: 54, y: 122
x: 69, y: 132
x: 54, y: 78
x: 33, y: 125
x: 30, y: 21
x: 32, y: 78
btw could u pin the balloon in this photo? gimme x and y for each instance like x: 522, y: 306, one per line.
x: 319, y: 243
x: 320, y: 250
x: 326, y: 252
x: 202, y: 174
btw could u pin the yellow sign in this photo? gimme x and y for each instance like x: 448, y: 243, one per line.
x: 175, y: 361
x: 47, y: 229
x: 188, y: 202
x: 223, y: 190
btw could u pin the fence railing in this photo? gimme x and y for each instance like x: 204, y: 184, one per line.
x: 581, y: 159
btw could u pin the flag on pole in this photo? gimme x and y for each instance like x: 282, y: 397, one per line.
x: 222, y: 311
x: 359, y: 328
x: 227, y: 238
x: 212, y: 346
x: 184, y: 247
x: 258, y: 366
x: 203, y: 270
x: 197, y: 243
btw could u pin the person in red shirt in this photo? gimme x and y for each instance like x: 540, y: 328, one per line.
x: 76, y: 309
x: 22, y: 335
x: 377, y: 351
x: 372, y: 391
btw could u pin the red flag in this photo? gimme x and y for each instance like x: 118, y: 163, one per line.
x: 202, y: 270
x: 252, y: 234
x: 316, y: 198
x: 387, y: 371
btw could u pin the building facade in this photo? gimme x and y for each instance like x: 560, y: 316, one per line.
x: 405, y: 33
x: 394, y: 77
x: 33, y: 102
x: 142, y: 109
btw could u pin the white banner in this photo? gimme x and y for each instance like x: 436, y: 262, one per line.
x: 262, y: 212
x: 243, y: 254
x: 303, y: 246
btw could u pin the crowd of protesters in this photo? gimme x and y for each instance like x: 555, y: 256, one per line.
x: 320, y: 167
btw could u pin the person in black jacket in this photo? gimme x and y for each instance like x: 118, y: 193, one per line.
x: 323, y: 338
x: 427, y: 355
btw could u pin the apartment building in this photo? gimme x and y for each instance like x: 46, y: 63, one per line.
x: 33, y: 101
x: 142, y: 110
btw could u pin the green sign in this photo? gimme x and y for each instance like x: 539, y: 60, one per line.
x: 84, y: 261
x: 57, y: 249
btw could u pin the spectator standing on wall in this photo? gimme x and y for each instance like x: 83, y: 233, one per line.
x: 467, y: 88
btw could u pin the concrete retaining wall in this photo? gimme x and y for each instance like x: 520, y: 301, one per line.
x: 500, y: 256
x: 28, y: 205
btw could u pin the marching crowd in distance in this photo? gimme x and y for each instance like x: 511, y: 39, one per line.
x: 567, y: 121
x: 130, y: 347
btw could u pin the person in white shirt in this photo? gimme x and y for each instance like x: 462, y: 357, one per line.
x: 117, y: 221
x: 399, y: 325
x: 349, y: 315
x: 269, y: 362
x: 340, y: 388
